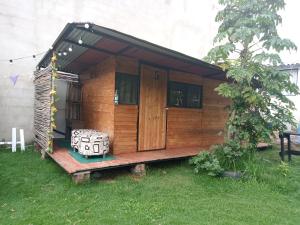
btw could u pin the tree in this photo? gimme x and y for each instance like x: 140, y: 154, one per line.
x: 248, y: 47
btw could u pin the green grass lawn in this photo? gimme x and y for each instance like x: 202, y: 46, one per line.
x: 35, y: 191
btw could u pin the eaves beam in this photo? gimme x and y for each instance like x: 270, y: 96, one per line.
x: 90, y: 47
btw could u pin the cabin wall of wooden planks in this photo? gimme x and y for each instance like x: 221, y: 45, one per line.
x: 126, y: 116
x: 125, y: 136
x: 214, y: 114
x: 197, y: 127
x: 98, y: 97
x: 185, y: 127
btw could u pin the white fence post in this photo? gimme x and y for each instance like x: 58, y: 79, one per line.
x: 14, y: 139
x: 22, y: 142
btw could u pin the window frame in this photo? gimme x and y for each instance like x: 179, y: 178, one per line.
x: 186, y: 87
x: 137, y: 78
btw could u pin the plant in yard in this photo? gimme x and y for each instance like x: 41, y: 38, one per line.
x: 248, y: 47
x: 249, y: 52
x: 206, y: 162
x: 230, y: 155
x: 284, y: 168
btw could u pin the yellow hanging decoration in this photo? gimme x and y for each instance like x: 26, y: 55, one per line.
x: 52, y: 92
x: 53, y: 109
x: 54, y: 58
x: 54, y: 74
x: 53, y: 125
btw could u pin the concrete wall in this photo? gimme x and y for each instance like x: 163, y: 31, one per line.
x: 31, y: 26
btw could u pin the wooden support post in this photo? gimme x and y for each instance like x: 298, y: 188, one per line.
x: 44, y: 154
x: 81, y: 177
x: 281, y: 136
x: 37, y: 147
x: 139, y: 169
x: 289, y: 147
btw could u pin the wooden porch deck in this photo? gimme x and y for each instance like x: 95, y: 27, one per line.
x: 62, y: 157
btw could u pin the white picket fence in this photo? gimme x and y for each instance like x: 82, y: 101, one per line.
x: 14, y: 141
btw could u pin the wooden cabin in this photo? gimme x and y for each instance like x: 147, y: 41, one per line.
x: 155, y: 103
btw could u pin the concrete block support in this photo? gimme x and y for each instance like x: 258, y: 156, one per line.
x: 139, y: 169
x: 81, y: 177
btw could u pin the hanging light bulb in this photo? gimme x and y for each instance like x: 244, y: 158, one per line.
x: 86, y: 26
x: 80, y: 41
x: 70, y: 49
x: 65, y: 53
x: 59, y: 53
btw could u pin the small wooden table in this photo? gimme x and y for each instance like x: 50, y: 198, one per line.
x: 289, y: 151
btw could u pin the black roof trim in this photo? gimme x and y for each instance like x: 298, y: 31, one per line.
x: 290, y: 66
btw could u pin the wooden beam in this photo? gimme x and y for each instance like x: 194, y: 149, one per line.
x: 89, y: 47
x: 124, y: 49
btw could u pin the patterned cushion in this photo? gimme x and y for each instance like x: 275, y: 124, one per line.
x: 90, y: 142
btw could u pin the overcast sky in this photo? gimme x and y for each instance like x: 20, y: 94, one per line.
x: 290, y: 29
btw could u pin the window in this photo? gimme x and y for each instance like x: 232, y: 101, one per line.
x: 126, y: 91
x: 184, y: 95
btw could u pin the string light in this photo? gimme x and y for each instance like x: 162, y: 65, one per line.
x: 24, y: 57
x: 80, y: 41
x: 86, y: 26
x: 34, y: 56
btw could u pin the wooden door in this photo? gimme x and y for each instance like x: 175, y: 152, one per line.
x: 152, y: 108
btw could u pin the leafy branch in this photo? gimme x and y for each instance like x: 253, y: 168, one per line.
x: 256, y: 85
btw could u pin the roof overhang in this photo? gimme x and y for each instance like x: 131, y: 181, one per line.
x: 99, y: 43
x: 289, y: 66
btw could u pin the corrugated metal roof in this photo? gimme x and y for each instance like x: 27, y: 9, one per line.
x: 290, y: 66
x: 77, y: 50
x: 91, y: 36
x: 62, y: 46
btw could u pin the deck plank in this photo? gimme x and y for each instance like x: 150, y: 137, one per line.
x: 62, y: 157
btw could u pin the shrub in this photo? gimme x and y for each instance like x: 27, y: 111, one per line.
x: 284, y: 168
x: 255, y: 169
x: 228, y: 156
x: 231, y: 155
x: 207, y: 162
